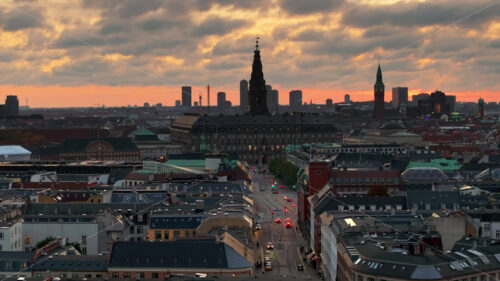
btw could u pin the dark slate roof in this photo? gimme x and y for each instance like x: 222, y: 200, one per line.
x: 328, y: 203
x: 80, y: 145
x: 189, y: 253
x: 129, y: 197
x: 175, y: 222
x: 13, y: 261
x: 362, y: 157
x: 146, y: 138
x: 72, y: 262
x: 306, y: 122
x: 434, y: 198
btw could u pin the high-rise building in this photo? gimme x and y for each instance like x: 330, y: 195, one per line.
x: 186, y: 96
x: 347, y: 98
x: 244, y: 94
x: 221, y: 100
x: 295, y: 98
x: 422, y: 96
x: 257, y: 92
x: 11, y: 106
x: 480, y: 107
x: 451, y: 102
x: 379, y: 92
x: 269, y: 98
x: 275, y: 100
x: 399, y: 96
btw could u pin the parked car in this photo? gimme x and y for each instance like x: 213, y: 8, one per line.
x: 269, y: 246
x: 300, y: 267
x: 258, y: 226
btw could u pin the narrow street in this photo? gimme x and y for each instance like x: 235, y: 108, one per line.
x: 286, y: 241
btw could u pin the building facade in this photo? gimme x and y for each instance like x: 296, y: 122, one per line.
x: 186, y: 96
x: 399, y: 96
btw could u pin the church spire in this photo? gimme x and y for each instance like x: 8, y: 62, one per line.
x: 379, y: 76
x: 257, y: 92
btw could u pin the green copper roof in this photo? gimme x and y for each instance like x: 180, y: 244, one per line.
x: 442, y: 163
x: 143, y: 132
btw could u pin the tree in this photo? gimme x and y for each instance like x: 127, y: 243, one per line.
x: 284, y: 170
x: 45, y: 242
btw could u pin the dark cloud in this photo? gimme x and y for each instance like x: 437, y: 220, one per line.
x: 154, y: 24
x: 407, y: 14
x: 309, y: 34
x: 22, y: 18
x: 310, y: 6
x: 230, y: 47
x: 218, y: 26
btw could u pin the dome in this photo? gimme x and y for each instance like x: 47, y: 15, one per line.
x: 424, y: 173
x: 393, y: 126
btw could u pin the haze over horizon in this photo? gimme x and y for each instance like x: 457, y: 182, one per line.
x: 116, y: 52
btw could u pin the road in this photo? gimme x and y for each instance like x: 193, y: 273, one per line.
x: 286, y: 241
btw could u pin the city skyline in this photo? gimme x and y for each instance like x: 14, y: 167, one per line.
x: 327, y: 50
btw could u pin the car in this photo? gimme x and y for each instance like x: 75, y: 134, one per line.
x: 268, y: 267
x: 289, y: 199
x: 278, y: 220
x: 300, y: 267
x: 267, y: 259
x: 276, y: 191
x: 282, y: 186
x: 258, y: 226
x: 288, y: 224
x: 288, y: 220
x: 269, y: 246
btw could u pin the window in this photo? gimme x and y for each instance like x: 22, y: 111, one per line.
x: 132, y: 229
x: 1, y: 235
x: 186, y: 233
x: 114, y: 275
x: 39, y: 275
x: 84, y: 250
x: 139, y: 229
x: 76, y: 276
x: 166, y: 234
x: 126, y: 275
x: 177, y: 234
x: 486, y: 227
x: 154, y: 275
x: 84, y: 239
x: 157, y: 235
x: 142, y: 275
x: 497, y: 234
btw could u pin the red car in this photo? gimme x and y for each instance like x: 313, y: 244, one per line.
x: 282, y: 186
x: 276, y: 191
x: 289, y: 199
x: 288, y: 220
x: 288, y: 225
x: 278, y: 220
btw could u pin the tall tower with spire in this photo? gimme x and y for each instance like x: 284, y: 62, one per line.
x: 257, y: 94
x: 379, y: 92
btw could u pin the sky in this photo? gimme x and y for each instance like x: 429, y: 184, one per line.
x: 65, y: 53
